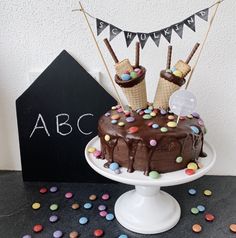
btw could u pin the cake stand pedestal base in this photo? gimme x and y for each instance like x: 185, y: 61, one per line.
x: 147, y: 210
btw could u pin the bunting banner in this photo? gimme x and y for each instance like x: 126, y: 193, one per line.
x: 166, y: 33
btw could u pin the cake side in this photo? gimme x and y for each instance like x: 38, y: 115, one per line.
x: 146, y: 143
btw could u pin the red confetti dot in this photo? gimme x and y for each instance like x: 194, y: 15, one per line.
x: 133, y: 129
x: 141, y: 113
x: 189, y: 171
x: 98, y: 233
x: 209, y: 217
x: 37, y: 228
x: 150, y: 123
x: 43, y: 190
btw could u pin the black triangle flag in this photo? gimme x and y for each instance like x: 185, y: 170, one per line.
x: 178, y: 28
x: 167, y: 33
x: 101, y: 25
x: 190, y: 22
x: 129, y: 36
x: 143, y: 37
x: 114, y: 31
x: 156, y: 36
x: 203, y: 14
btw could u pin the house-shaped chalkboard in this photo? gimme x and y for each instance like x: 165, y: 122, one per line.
x: 57, y: 116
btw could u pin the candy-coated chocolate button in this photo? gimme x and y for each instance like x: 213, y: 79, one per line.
x: 153, y: 114
x: 114, y: 122
x: 153, y: 142
x: 92, y: 197
x: 119, y: 110
x: 102, y: 207
x: 163, y: 112
x: 88, y: 205
x: 107, y: 137
x: 57, y: 234
x: 117, y: 171
x: 113, y: 108
x: 150, y: 123
x: 209, y: 217
x: 74, y: 234
x: 147, y: 111
x: 43, y: 190
x: 53, y: 218
x: 123, y: 236
x: 192, y: 165
x: 194, y: 129
x: 192, y: 191
x: 97, y: 153
x: 109, y: 217
x: 141, y: 113
x: 37, y: 228
x: 200, y: 122
x: 207, y: 192
x: 201, y: 208
x: 113, y: 166
x: 133, y: 129
x: 155, y: 126
x: 27, y: 236
x: 130, y: 119
x: 171, y: 117
x: 105, y: 196
x: 115, y: 117
x: 53, y: 189
x: 194, y: 210
x: 232, y: 227
x: 147, y: 116
x: 121, y: 123
x: 69, y: 195
x: 190, y: 116
x: 98, y: 233
x: 91, y: 149
x: 53, y: 207
x: 179, y: 159
x: 178, y: 73
x: 196, y: 228
x: 137, y: 70
x: 154, y: 175
x: 103, y: 213
x: 36, y: 205
x: 189, y: 171
x: 196, y: 115
x: 75, y: 206
x: 125, y: 77
x: 164, y: 129
x: 133, y: 75
x: 83, y: 220
x: 172, y: 124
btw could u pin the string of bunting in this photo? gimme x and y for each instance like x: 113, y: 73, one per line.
x: 166, y: 32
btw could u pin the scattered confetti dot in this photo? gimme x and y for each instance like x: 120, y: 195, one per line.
x: 53, y: 218
x: 75, y: 206
x: 92, y: 197
x: 57, y: 234
x: 74, y: 234
x: 53, y: 189
x: 209, y: 217
x: 194, y: 210
x: 192, y: 191
x: 197, y: 228
x: 36, y: 205
x: 201, y: 208
x: 54, y: 207
x: 37, y: 228
x: 110, y: 217
x: 88, y: 205
x: 68, y: 195
x: 43, y: 190
x: 98, y: 233
x: 105, y: 196
x: 102, y: 207
x: 207, y: 192
x: 232, y: 227
x: 83, y: 220
x: 103, y: 213
x: 27, y: 236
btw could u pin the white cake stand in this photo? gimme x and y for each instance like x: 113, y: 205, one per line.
x: 147, y: 209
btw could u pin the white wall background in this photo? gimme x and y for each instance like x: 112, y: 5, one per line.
x: 34, y: 32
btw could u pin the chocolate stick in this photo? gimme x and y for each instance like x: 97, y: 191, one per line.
x: 137, y: 50
x: 169, y: 54
x: 111, y: 50
x: 192, y: 53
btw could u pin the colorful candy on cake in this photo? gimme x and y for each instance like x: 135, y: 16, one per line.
x: 149, y: 137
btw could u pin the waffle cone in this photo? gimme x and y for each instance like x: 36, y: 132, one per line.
x: 164, y: 90
x: 136, y: 95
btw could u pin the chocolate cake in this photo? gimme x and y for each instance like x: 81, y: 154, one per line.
x: 149, y: 140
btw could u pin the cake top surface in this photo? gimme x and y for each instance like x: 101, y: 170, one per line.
x: 149, y: 124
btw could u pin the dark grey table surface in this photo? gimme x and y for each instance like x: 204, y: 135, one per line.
x: 17, y: 217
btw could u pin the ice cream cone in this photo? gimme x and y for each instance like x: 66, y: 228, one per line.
x: 135, y: 90
x: 167, y: 85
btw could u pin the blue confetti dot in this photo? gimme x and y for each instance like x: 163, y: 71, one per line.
x: 83, y: 220
x: 192, y: 191
x: 201, y: 208
x: 109, y: 216
x: 88, y: 205
x: 155, y: 126
x: 123, y: 236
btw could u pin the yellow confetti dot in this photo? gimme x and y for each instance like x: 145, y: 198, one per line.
x: 207, y: 192
x: 91, y: 149
x: 36, y: 206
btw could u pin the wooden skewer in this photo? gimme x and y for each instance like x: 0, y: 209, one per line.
x: 203, y: 44
x: 169, y: 55
x: 137, y: 54
x: 192, y: 53
x: 111, y: 50
x: 103, y: 60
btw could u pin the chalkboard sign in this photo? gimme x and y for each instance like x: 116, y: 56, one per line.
x: 57, y: 116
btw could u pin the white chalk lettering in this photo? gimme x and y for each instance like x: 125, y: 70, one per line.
x: 129, y: 35
x: 114, y: 31
x: 156, y: 36
x: 101, y: 24
x: 176, y: 27
x: 190, y: 21
x: 166, y: 31
x: 78, y: 123
x: 65, y: 124
x: 40, y: 118
x: 143, y: 36
x: 203, y: 13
